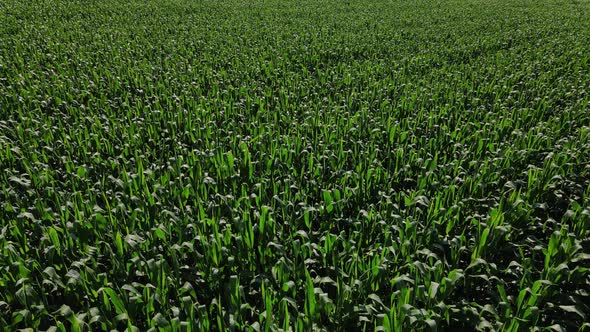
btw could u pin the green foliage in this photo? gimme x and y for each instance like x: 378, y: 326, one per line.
x: 294, y: 165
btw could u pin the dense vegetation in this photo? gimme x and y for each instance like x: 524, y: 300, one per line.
x: 275, y: 165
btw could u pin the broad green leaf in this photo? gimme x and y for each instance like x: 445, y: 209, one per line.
x: 119, y: 306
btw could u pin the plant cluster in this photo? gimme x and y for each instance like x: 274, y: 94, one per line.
x: 386, y: 165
